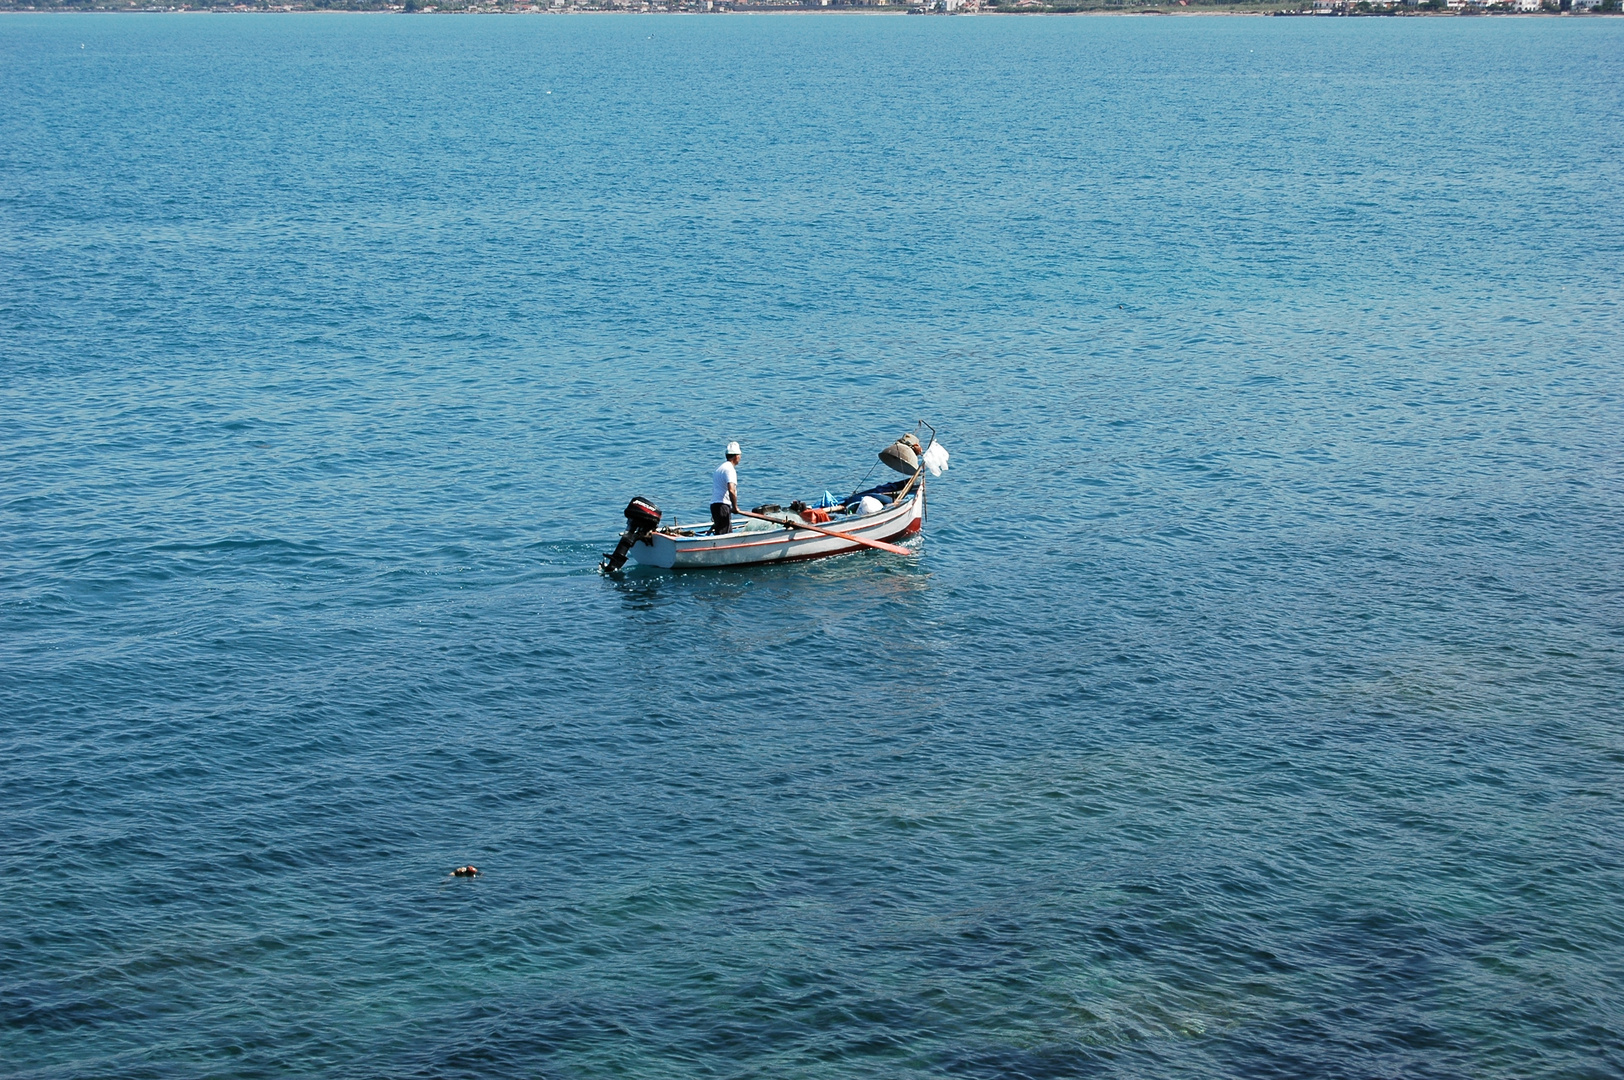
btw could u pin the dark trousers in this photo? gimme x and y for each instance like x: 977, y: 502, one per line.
x: 721, y: 518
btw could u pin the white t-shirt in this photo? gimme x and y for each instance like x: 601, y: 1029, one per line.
x: 724, y: 475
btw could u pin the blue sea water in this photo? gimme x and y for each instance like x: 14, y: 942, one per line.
x: 1251, y: 709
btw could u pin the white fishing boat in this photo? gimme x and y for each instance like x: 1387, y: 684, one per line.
x: 874, y: 518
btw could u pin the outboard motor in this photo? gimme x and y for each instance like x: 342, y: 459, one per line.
x: 642, y: 518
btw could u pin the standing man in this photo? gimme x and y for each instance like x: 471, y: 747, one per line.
x: 725, y: 492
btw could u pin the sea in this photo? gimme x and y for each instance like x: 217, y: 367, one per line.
x: 1252, y: 704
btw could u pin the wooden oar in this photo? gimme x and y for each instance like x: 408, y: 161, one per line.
x: 879, y: 544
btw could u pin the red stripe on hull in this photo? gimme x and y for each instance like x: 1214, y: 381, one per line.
x: 913, y: 527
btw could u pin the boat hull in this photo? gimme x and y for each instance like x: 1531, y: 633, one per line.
x: 777, y: 544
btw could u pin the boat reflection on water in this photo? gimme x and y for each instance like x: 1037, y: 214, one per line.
x: 752, y: 609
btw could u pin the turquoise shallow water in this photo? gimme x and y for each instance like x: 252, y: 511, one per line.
x: 1251, y: 710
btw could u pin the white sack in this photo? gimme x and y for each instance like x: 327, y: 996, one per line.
x: 935, y: 458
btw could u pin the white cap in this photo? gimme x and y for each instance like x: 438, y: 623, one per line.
x: 733, y: 448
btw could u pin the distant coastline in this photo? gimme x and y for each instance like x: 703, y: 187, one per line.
x: 1311, y: 8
